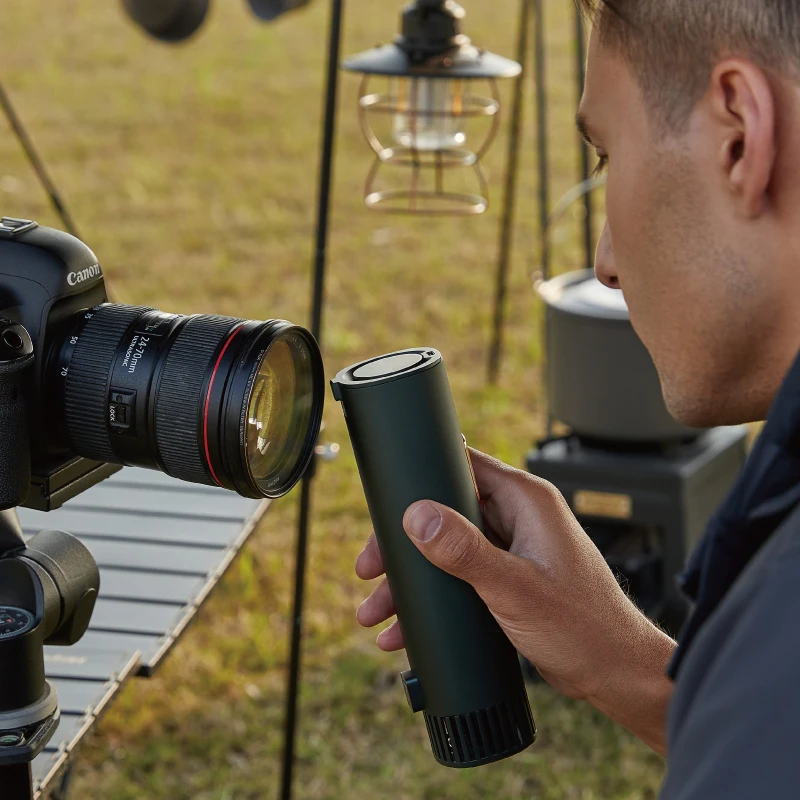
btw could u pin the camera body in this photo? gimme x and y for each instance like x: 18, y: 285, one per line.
x: 204, y: 398
x: 47, y: 278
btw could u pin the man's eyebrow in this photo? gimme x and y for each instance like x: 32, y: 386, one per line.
x: 583, y: 127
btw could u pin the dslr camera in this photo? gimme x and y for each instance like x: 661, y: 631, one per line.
x: 87, y: 385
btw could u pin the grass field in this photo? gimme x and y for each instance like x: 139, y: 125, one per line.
x: 192, y: 174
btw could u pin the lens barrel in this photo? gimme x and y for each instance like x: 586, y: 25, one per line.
x: 184, y: 394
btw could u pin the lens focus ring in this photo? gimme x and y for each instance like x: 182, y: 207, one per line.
x: 180, y: 403
x: 85, y: 387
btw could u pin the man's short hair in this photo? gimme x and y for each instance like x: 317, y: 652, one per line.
x: 672, y: 45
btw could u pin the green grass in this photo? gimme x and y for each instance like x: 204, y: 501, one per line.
x: 192, y: 173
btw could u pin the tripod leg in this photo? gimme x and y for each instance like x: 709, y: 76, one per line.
x: 17, y: 782
x: 320, y: 259
x: 512, y: 169
x: 36, y: 162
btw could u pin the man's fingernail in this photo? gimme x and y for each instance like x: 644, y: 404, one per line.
x: 424, y: 522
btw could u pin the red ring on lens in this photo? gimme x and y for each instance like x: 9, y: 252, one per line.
x: 233, y: 334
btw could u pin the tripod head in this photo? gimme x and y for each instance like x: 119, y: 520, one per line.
x: 48, y: 587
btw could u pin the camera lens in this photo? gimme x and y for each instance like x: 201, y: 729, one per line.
x: 280, y: 410
x: 208, y: 399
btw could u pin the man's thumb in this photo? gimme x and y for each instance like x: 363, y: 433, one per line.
x: 451, y: 542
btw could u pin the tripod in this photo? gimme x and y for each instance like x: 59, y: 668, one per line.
x: 48, y: 588
x: 47, y: 593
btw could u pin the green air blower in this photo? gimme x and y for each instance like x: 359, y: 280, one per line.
x: 464, y: 673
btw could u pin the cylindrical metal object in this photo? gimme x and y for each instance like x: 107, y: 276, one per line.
x: 601, y: 381
x: 465, y: 674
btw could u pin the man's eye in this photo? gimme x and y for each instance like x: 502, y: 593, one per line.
x: 602, y: 164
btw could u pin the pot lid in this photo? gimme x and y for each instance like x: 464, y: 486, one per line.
x: 582, y: 294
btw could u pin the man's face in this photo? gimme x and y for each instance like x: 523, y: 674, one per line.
x: 691, y: 273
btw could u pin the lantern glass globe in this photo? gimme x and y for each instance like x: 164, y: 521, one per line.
x: 428, y: 116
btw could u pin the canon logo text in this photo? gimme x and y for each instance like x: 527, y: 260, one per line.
x: 75, y: 278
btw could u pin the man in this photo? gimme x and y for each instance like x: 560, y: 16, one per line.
x: 694, y: 107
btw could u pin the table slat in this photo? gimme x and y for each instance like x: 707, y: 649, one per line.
x: 85, y: 662
x: 122, y: 616
x: 150, y: 501
x: 94, y: 523
x: 119, y: 584
x: 155, y: 557
x: 80, y: 697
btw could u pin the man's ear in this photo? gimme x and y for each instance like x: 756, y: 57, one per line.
x: 742, y: 104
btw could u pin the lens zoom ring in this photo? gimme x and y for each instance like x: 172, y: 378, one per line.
x: 85, y: 397
x: 180, y: 403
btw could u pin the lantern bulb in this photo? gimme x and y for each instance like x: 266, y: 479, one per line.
x: 429, y: 114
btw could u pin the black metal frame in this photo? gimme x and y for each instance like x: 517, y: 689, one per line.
x: 542, y: 155
x: 509, y: 198
x: 317, y: 305
x: 56, y: 199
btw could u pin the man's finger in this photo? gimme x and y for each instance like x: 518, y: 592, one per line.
x: 378, y: 607
x: 490, y: 474
x: 455, y: 545
x: 369, y: 564
x: 509, y: 495
x: 391, y: 639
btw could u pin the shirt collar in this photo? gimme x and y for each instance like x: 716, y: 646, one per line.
x: 765, y: 492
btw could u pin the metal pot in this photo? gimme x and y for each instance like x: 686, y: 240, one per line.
x: 601, y: 381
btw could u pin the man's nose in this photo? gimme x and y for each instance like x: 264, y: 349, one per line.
x: 604, y: 266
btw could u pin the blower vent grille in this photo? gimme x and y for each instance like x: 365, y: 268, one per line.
x: 481, y: 737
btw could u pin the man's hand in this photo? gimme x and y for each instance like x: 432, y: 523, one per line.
x: 550, y: 589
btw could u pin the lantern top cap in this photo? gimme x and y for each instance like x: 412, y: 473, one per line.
x: 461, y: 62
x: 431, y: 45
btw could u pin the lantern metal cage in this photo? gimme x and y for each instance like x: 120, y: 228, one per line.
x: 430, y: 71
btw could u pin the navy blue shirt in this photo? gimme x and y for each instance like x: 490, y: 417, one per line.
x: 734, y: 722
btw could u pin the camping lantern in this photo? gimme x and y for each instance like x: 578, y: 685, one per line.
x: 421, y: 120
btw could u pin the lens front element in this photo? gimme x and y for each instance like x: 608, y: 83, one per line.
x: 280, y: 411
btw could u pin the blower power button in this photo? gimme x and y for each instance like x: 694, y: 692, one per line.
x: 413, y: 690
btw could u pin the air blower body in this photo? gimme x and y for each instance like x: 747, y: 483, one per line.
x: 464, y: 673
